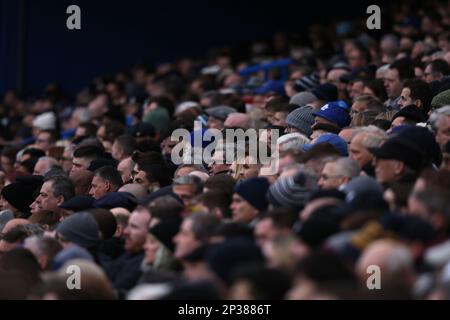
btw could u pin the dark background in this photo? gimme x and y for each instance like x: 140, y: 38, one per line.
x: 118, y: 34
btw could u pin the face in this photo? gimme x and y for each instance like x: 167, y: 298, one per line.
x: 140, y: 177
x: 387, y: 170
x: 186, y: 192
x: 7, y: 165
x: 358, y: 152
x: 428, y: 74
x: 40, y: 168
x: 136, y: 231
x: 99, y: 188
x: 279, y: 119
x: 393, y: 84
x: 125, y: 168
x: 66, y: 161
x: 443, y: 130
x: 214, y: 123
x: 117, y: 152
x: 46, y: 201
x: 43, y: 141
x: 330, y: 179
x: 243, y: 211
x: 405, y: 98
x: 264, y: 232
x: 399, y: 121
x: 185, y: 240
x: 357, y: 90
x: 358, y: 107
x: 151, y: 247
x: 79, y: 164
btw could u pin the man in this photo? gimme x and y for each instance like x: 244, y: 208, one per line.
x: 125, y: 168
x: 363, y: 139
x: 436, y: 70
x: 249, y: 200
x: 333, y: 113
x: 54, y: 192
x: 216, y: 202
x: 409, y: 115
x: 82, y: 180
x: 440, y: 123
x: 187, y: 188
x: 300, y: 120
x: 366, y: 103
x: 396, y: 158
x: 398, y: 72
x: 336, y: 174
x: 123, y: 147
x: 44, y: 249
x: 418, y: 93
x: 106, y: 180
x: 46, y: 139
x: 125, y: 272
x: 195, y: 231
x: 150, y: 171
x: 276, y: 223
x: 83, y: 156
x: 43, y: 165
x: 218, y: 115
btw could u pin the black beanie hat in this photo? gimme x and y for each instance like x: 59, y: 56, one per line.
x: 81, y: 229
x: 20, y: 194
x: 165, y: 231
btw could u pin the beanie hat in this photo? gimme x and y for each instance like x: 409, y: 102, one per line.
x: 441, y: 100
x: 165, y: 231
x: 333, y: 139
x: 78, y: 203
x: 302, y: 99
x: 253, y: 191
x: 45, y: 121
x: 412, y: 113
x: 21, y: 193
x: 307, y: 83
x: 117, y: 200
x: 292, y: 192
x: 335, y: 113
x: 80, y: 228
x: 301, y: 119
x: 326, y: 92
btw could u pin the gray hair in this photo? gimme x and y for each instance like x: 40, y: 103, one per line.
x: 436, y: 115
x: 347, y: 167
x: 373, y: 137
x: 193, y: 180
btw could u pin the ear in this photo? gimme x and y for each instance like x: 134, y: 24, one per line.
x: 399, y: 167
x: 60, y: 200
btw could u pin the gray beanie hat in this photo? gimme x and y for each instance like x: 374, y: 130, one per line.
x: 301, y: 119
x: 292, y: 192
x: 81, y: 229
x: 302, y: 99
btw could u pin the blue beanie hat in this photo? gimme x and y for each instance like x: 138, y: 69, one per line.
x: 336, y: 113
x: 253, y: 191
x: 332, y: 139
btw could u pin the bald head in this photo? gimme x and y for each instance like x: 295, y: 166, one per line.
x: 238, y: 120
x: 135, y: 189
x: 14, y: 223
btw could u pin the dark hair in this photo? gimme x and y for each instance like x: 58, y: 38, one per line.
x: 278, y: 104
x: 90, y: 128
x: 10, y: 152
x: 440, y: 66
x: 166, y: 207
x: 217, y: 199
x: 165, y: 103
x: 154, y: 167
x: 404, y: 68
x: 111, y: 175
x: 420, y: 90
x: 54, y: 136
x: 203, y: 225
x: 282, y: 218
x: 106, y: 221
x: 222, y: 182
x: 127, y: 143
x: 33, y: 152
x: 113, y: 129
x: 62, y: 186
x: 22, y: 262
x: 89, y: 152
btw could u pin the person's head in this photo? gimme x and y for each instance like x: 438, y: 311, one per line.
x: 87, y: 129
x: 150, y: 171
x: 106, y: 179
x: 82, y: 180
x: 187, y: 188
x: 135, y: 189
x: 276, y: 222
x: 44, y: 249
x: 186, y: 169
x: 376, y: 89
x: 367, y: 102
x: 8, y: 157
x: 395, y: 263
x: 218, y: 115
x: 123, y: 147
x: 46, y: 139
x: 316, y: 157
x: 136, y: 231
x: 440, y: 123
x: 125, y: 168
x: 418, y: 93
x: 43, y: 165
x: 358, y: 56
x: 398, y: 72
x: 338, y: 173
x: 363, y: 140
x: 436, y: 70
x: 216, y: 202
x: 194, y: 232
x: 54, y: 192
x: 83, y: 156
x: 248, y: 200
